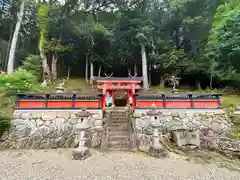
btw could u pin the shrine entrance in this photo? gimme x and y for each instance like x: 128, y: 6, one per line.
x: 121, y: 98
x: 117, y: 91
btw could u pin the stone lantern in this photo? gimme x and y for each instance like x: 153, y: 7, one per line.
x: 82, y: 126
x: 60, y: 89
x: 157, y: 148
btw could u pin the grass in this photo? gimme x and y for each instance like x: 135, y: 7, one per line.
x: 72, y: 85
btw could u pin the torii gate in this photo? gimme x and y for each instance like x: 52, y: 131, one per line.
x: 108, y: 85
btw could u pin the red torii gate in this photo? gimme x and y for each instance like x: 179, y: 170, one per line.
x: 111, y: 84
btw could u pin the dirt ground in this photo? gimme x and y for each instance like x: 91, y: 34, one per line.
x: 58, y: 165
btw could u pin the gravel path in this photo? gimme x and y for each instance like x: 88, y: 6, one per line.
x: 57, y: 165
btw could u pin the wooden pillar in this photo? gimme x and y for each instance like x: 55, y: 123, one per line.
x: 112, y: 94
x: 103, y: 101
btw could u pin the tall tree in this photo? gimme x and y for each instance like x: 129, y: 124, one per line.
x: 10, y: 66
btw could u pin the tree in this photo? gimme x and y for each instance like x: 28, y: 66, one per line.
x: 223, y: 43
x: 10, y: 66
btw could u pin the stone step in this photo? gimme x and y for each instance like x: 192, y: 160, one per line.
x: 119, y: 149
x: 118, y: 114
x: 118, y: 133
x: 117, y: 121
x: 119, y: 117
x: 119, y: 138
x: 118, y: 129
x: 118, y: 125
x: 112, y: 144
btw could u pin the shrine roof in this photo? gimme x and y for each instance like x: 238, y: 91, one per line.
x: 118, y: 78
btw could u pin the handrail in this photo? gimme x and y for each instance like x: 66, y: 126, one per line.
x: 132, y: 128
x: 105, y: 133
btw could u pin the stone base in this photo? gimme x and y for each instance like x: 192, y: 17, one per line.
x: 80, y: 154
x: 157, y: 152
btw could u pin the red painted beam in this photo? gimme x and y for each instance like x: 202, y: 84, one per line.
x: 59, y: 104
x: 31, y: 104
x: 148, y: 104
x: 119, y: 81
x: 87, y: 104
x: 178, y: 104
x: 206, y: 104
x: 118, y: 87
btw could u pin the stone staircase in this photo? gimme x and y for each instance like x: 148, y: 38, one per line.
x: 119, y: 131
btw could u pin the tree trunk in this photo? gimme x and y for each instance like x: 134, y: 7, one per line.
x: 69, y: 71
x: 45, y: 66
x: 54, y: 66
x: 8, y: 49
x: 211, y: 81
x: 99, y: 70
x: 144, y: 67
x: 135, y: 69
x: 149, y: 75
x: 162, y: 81
x: 91, y: 72
x: 198, y: 84
x: 86, y: 68
x: 10, y: 65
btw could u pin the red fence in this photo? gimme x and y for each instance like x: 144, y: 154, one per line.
x: 179, y: 100
x: 57, y: 101
x: 144, y: 100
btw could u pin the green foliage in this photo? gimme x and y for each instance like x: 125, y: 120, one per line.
x: 224, y: 45
x: 109, y: 33
x: 4, y: 118
x: 19, y: 81
x: 32, y: 64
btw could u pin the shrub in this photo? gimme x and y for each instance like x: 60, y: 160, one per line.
x: 19, y: 81
x: 4, y: 106
x: 32, y: 63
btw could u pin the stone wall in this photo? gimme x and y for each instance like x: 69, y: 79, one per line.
x: 209, y: 126
x: 48, y: 129
x: 60, y: 128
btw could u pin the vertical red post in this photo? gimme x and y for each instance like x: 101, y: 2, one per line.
x: 113, y: 94
x: 133, y: 102
x: 130, y: 98
x: 103, y: 101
